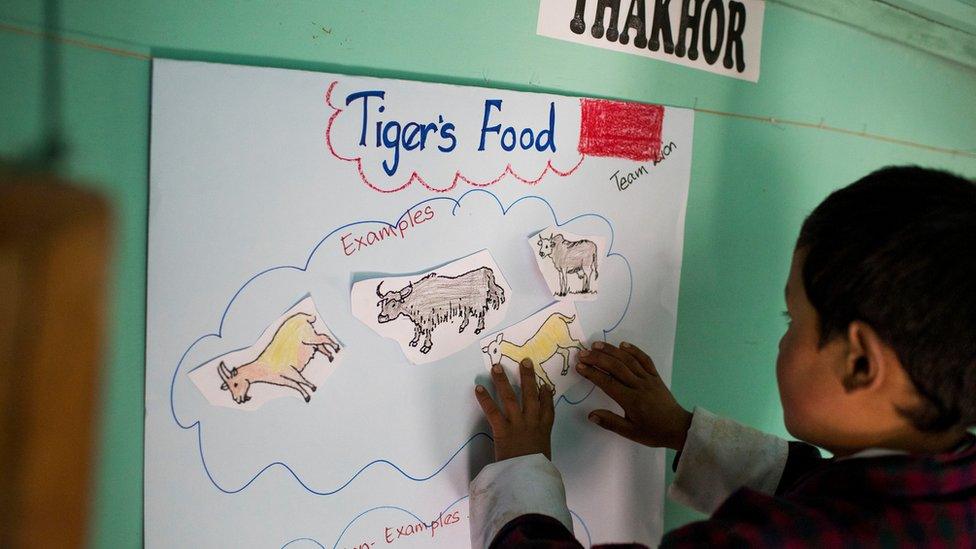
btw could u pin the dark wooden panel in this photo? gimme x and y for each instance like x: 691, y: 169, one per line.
x: 54, y: 242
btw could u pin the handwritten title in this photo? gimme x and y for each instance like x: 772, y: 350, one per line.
x: 398, y: 137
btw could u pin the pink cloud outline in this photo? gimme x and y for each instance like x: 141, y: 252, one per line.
x: 414, y: 176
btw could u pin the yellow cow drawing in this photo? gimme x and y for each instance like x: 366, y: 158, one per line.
x: 551, y: 338
x: 291, y: 348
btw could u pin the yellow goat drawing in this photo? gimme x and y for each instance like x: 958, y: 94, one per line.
x: 291, y: 348
x: 551, y: 338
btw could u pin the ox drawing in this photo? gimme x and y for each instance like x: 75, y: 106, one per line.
x: 436, y: 299
x: 569, y: 257
x: 292, y: 347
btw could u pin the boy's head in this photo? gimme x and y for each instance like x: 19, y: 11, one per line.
x: 881, y: 348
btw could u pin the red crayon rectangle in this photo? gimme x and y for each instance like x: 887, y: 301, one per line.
x: 620, y: 129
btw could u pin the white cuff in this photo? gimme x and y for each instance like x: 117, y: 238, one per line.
x: 511, y: 488
x: 720, y: 456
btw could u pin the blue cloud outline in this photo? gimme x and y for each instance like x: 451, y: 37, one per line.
x: 457, y: 204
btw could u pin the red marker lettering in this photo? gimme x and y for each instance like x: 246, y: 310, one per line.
x: 346, y: 247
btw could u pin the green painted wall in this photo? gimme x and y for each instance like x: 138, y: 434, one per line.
x: 752, y: 182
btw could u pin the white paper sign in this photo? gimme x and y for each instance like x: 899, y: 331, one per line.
x: 570, y: 263
x: 435, y: 314
x: 551, y: 339
x: 719, y: 36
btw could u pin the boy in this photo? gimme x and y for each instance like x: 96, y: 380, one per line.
x: 878, y: 366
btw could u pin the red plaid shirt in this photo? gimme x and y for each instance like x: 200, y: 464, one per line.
x: 889, y: 501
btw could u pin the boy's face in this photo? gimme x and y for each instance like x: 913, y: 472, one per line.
x: 813, y: 399
x: 844, y: 395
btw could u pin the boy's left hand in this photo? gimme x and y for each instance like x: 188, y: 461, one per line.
x: 524, y: 428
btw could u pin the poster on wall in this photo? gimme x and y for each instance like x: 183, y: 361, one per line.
x: 332, y: 261
x: 719, y: 36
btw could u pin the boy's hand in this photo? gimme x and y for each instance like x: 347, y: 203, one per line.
x: 651, y: 415
x: 525, y: 428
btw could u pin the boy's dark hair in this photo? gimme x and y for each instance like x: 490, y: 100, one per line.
x: 897, y: 250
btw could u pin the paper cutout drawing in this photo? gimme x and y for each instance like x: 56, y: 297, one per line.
x: 281, y: 362
x: 549, y: 338
x: 422, y: 311
x: 435, y: 299
x: 560, y: 254
x: 568, y: 257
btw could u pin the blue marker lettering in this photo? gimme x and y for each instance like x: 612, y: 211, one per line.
x: 364, y: 95
x: 447, y: 132
x: 489, y: 103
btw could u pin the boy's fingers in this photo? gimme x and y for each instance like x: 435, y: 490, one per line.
x: 492, y: 413
x: 613, y: 388
x: 642, y: 357
x: 609, y: 364
x: 612, y: 422
x: 623, y: 357
x: 547, y: 405
x: 505, y: 392
x: 530, y: 390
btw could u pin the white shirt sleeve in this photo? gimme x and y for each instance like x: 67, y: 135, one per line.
x: 720, y: 456
x: 511, y: 488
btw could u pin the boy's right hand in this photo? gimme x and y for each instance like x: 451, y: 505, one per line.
x: 651, y: 414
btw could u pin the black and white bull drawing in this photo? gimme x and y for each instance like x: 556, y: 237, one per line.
x: 569, y: 257
x: 435, y: 299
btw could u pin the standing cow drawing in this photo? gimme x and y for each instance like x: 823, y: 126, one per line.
x: 282, y: 361
x: 551, y: 338
x: 434, y: 300
x: 569, y: 257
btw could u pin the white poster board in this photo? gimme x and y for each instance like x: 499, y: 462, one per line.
x: 271, y: 186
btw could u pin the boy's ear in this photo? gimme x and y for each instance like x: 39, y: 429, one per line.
x: 869, y: 359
